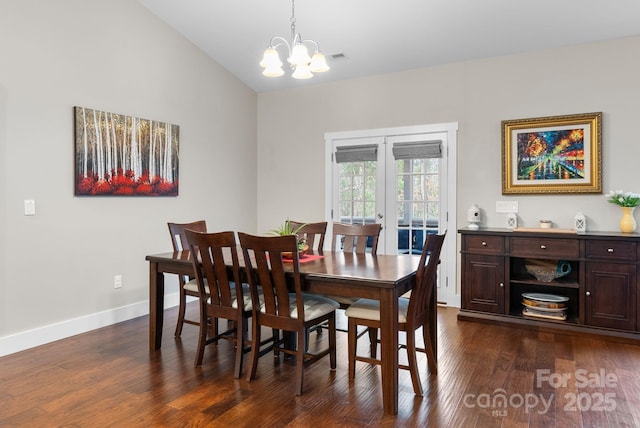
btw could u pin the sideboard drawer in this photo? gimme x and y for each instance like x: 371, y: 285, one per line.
x: 611, y: 250
x: 547, y: 248
x: 484, y: 244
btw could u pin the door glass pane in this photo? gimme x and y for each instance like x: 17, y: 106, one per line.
x: 369, y: 211
x: 358, y: 211
x: 418, y: 165
x: 357, y: 189
x: 346, y: 208
x: 418, y: 203
x: 357, y: 192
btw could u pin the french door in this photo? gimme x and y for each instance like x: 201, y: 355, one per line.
x: 402, y: 179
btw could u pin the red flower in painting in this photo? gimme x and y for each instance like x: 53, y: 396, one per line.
x: 85, y: 184
x: 124, y: 191
x: 144, y: 189
x: 102, y: 187
x: 144, y: 178
x: 122, y: 181
x: 165, y: 187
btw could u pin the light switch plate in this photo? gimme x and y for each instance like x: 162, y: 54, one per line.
x: 29, y: 207
x: 506, y: 206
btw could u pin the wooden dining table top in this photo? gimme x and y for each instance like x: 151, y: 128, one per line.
x: 381, y: 269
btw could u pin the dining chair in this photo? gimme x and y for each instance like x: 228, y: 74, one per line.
x: 188, y: 285
x: 351, y: 238
x: 413, y: 313
x: 313, y: 233
x: 355, y: 237
x: 285, y: 306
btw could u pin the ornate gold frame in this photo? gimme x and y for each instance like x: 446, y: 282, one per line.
x: 588, y: 124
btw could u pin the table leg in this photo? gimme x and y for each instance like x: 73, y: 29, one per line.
x: 389, y: 349
x: 156, y: 306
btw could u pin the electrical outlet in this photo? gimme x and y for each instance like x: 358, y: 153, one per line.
x: 506, y: 206
x: 117, y: 281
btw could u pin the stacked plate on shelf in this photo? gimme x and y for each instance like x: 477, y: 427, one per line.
x: 549, y: 306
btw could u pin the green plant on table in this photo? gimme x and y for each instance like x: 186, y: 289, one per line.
x: 285, y: 229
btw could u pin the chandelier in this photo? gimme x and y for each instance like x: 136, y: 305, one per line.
x: 301, y: 63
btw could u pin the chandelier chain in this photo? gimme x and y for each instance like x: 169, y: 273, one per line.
x: 293, y: 21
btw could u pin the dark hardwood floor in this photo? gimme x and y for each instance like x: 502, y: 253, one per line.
x: 489, y: 376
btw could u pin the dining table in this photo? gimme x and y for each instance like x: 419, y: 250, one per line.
x: 380, y: 277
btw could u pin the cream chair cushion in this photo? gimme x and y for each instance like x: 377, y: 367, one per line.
x: 246, y: 296
x: 369, y: 309
x: 315, y: 306
x: 193, y: 286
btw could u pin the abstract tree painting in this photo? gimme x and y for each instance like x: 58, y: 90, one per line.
x: 120, y: 155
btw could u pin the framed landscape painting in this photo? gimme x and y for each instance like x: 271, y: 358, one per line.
x: 120, y: 155
x: 555, y: 154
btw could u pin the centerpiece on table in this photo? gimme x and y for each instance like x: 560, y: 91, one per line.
x: 627, y: 201
x: 285, y: 229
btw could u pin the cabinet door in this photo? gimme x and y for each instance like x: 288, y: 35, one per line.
x: 610, y: 299
x: 483, y: 283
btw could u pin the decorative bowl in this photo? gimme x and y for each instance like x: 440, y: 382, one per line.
x: 301, y: 252
x: 544, y: 273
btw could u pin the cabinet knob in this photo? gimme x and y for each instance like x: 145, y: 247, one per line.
x: 502, y: 284
x: 543, y: 247
x: 609, y: 250
x: 588, y: 293
x: 484, y: 244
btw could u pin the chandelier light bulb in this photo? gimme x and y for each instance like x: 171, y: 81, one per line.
x: 302, y: 72
x: 273, y: 71
x: 271, y: 59
x: 299, y: 55
x: 318, y: 63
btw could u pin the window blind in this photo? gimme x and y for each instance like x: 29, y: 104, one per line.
x: 365, y: 152
x: 418, y: 150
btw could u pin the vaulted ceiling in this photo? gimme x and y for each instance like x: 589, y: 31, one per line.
x: 383, y: 36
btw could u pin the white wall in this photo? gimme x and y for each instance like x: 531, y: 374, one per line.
x: 113, y: 56
x: 478, y: 95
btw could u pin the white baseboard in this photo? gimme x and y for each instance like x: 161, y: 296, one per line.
x: 50, y: 333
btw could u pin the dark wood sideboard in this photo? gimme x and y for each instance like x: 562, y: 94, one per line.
x: 602, y: 286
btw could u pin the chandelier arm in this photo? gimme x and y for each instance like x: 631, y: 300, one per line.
x: 278, y: 41
x: 315, y: 44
